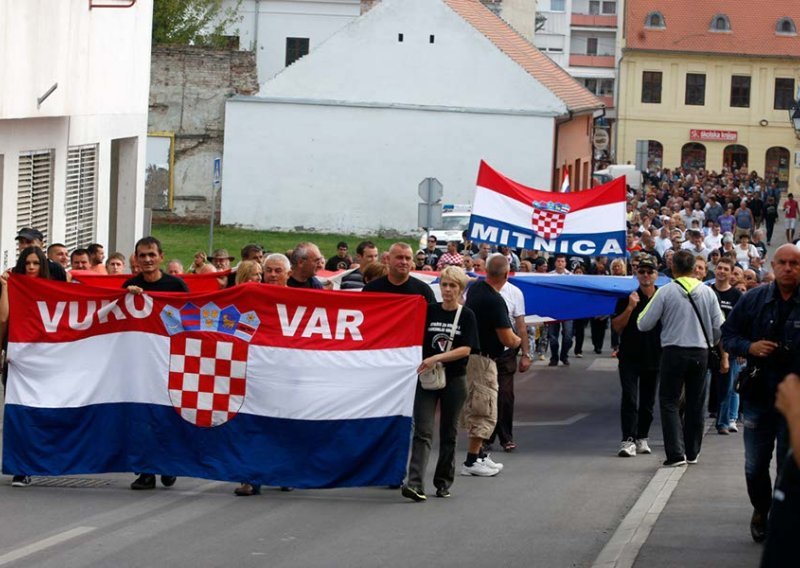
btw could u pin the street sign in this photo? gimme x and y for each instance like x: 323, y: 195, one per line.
x: 600, y: 139
x: 430, y: 190
x: 429, y: 215
x: 217, y: 173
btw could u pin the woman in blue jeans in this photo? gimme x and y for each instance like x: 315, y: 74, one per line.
x: 450, y: 399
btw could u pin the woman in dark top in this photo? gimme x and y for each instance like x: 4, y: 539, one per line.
x: 438, y: 328
x: 32, y: 262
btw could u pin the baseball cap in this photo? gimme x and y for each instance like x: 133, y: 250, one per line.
x: 30, y: 234
x: 647, y: 262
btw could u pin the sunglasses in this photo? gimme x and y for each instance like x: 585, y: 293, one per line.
x: 646, y: 271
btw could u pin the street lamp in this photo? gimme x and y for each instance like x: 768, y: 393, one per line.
x: 794, y: 116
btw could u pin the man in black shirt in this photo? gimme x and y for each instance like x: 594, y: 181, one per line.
x: 495, y: 334
x: 306, y: 261
x: 723, y: 378
x: 341, y: 261
x: 639, y: 357
x: 399, y: 279
x: 149, y: 256
x: 29, y: 237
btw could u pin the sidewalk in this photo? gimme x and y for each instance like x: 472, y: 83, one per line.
x: 706, y: 521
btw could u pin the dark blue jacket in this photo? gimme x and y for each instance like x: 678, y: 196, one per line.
x: 755, y: 317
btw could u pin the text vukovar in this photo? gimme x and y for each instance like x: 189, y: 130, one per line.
x: 83, y: 315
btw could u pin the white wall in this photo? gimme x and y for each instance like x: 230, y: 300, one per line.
x: 100, y: 59
x: 279, y: 19
x: 349, y: 169
x: 366, y: 62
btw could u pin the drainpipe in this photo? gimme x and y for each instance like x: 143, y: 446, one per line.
x: 255, y: 28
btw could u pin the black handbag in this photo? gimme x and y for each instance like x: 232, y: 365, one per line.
x: 714, y: 358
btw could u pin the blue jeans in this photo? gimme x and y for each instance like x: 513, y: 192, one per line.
x: 727, y: 395
x: 763, y: 425
x: 566, y: 339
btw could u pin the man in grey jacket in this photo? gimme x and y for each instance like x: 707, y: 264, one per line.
x: 684, y: 357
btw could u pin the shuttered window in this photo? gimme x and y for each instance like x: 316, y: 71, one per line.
x: 35, y: 190
x: 80, y: 198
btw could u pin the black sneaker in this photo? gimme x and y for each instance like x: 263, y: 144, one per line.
x: 168, y: 480
x: 144, y: 481
x: 758, y: 527
x: 565, y: 362
x: 443, y: 492
x: 553, y: 363
x: 20, y: 481
x: 413, y: 493
x: 675, y: 463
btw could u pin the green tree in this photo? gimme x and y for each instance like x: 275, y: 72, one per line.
x: 193, y: 22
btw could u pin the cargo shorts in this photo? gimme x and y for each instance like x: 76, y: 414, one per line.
x: 479, y: 416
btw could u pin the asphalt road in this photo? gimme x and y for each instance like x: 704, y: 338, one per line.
x: 561, y: 496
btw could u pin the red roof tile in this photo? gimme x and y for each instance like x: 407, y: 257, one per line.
x: 541, y: 67
x: 753, y: 24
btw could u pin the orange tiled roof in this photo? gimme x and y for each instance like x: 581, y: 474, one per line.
x: 541, y: 67
x: 753, y: 25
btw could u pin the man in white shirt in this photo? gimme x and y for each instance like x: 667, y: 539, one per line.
x: 663, y: 242
x: 695, y: 244
x: 507, y: 366
x: 565, y: 327
x: 714, y: 238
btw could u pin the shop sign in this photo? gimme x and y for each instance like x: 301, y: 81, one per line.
x: 713, y: 135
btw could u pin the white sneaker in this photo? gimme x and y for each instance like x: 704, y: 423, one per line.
x: 732, y: 427
x: 491, y: 463
x: 642, y: 447
x: 479, y: 469
x: 627, y: 448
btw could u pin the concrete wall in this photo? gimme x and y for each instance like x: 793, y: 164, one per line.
x: 188, y: 90
x: 100, y: 60
x: 355, y: 169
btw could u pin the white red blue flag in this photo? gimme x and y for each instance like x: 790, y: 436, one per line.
x: 254, y: 383
x: 584, y: 223
x: 565, y: 181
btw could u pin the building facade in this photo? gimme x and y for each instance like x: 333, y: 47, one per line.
x: 710, y: 86
x: 341, y: 140
x: 583, y: 37
x: 282, y: 31
x: 74, y: 81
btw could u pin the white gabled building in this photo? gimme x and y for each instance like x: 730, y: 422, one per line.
x: 74, y: 82
x: 340, y: 140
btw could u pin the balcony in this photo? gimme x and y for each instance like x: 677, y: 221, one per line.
x: 594, y: 21
x: 605, y: 61
x: 608, y: 100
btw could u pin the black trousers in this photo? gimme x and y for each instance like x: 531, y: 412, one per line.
x: 784, y: 518
x: 598, y: 327
x: 506, y: 367
x: 683, y: 369
x: 638, y: 384
x: 579, y: 329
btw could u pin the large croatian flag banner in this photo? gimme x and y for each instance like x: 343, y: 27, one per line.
x: 254, y: 383
x: 585, y: 223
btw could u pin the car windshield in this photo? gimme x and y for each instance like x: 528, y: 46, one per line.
x: 455, y: 223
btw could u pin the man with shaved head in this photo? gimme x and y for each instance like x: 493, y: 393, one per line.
x: 399, y: 279
x: 764, y: 327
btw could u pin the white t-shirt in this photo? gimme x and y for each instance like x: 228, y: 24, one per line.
x: 743, y: 256
x: 515, y: 302
x: 713, y: 241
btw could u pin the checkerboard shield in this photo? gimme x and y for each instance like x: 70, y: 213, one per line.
x: 207, y: 376
x: 547, y: 224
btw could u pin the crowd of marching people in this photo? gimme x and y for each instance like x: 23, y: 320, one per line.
x: 712, y: 328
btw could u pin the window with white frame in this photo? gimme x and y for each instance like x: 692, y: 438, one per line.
x: 80, y: 196
x: 35, y: 190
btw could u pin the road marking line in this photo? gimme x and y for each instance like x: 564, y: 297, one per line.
x: 623, y: 548
x: 43, y: 544
x: 567, y: 422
